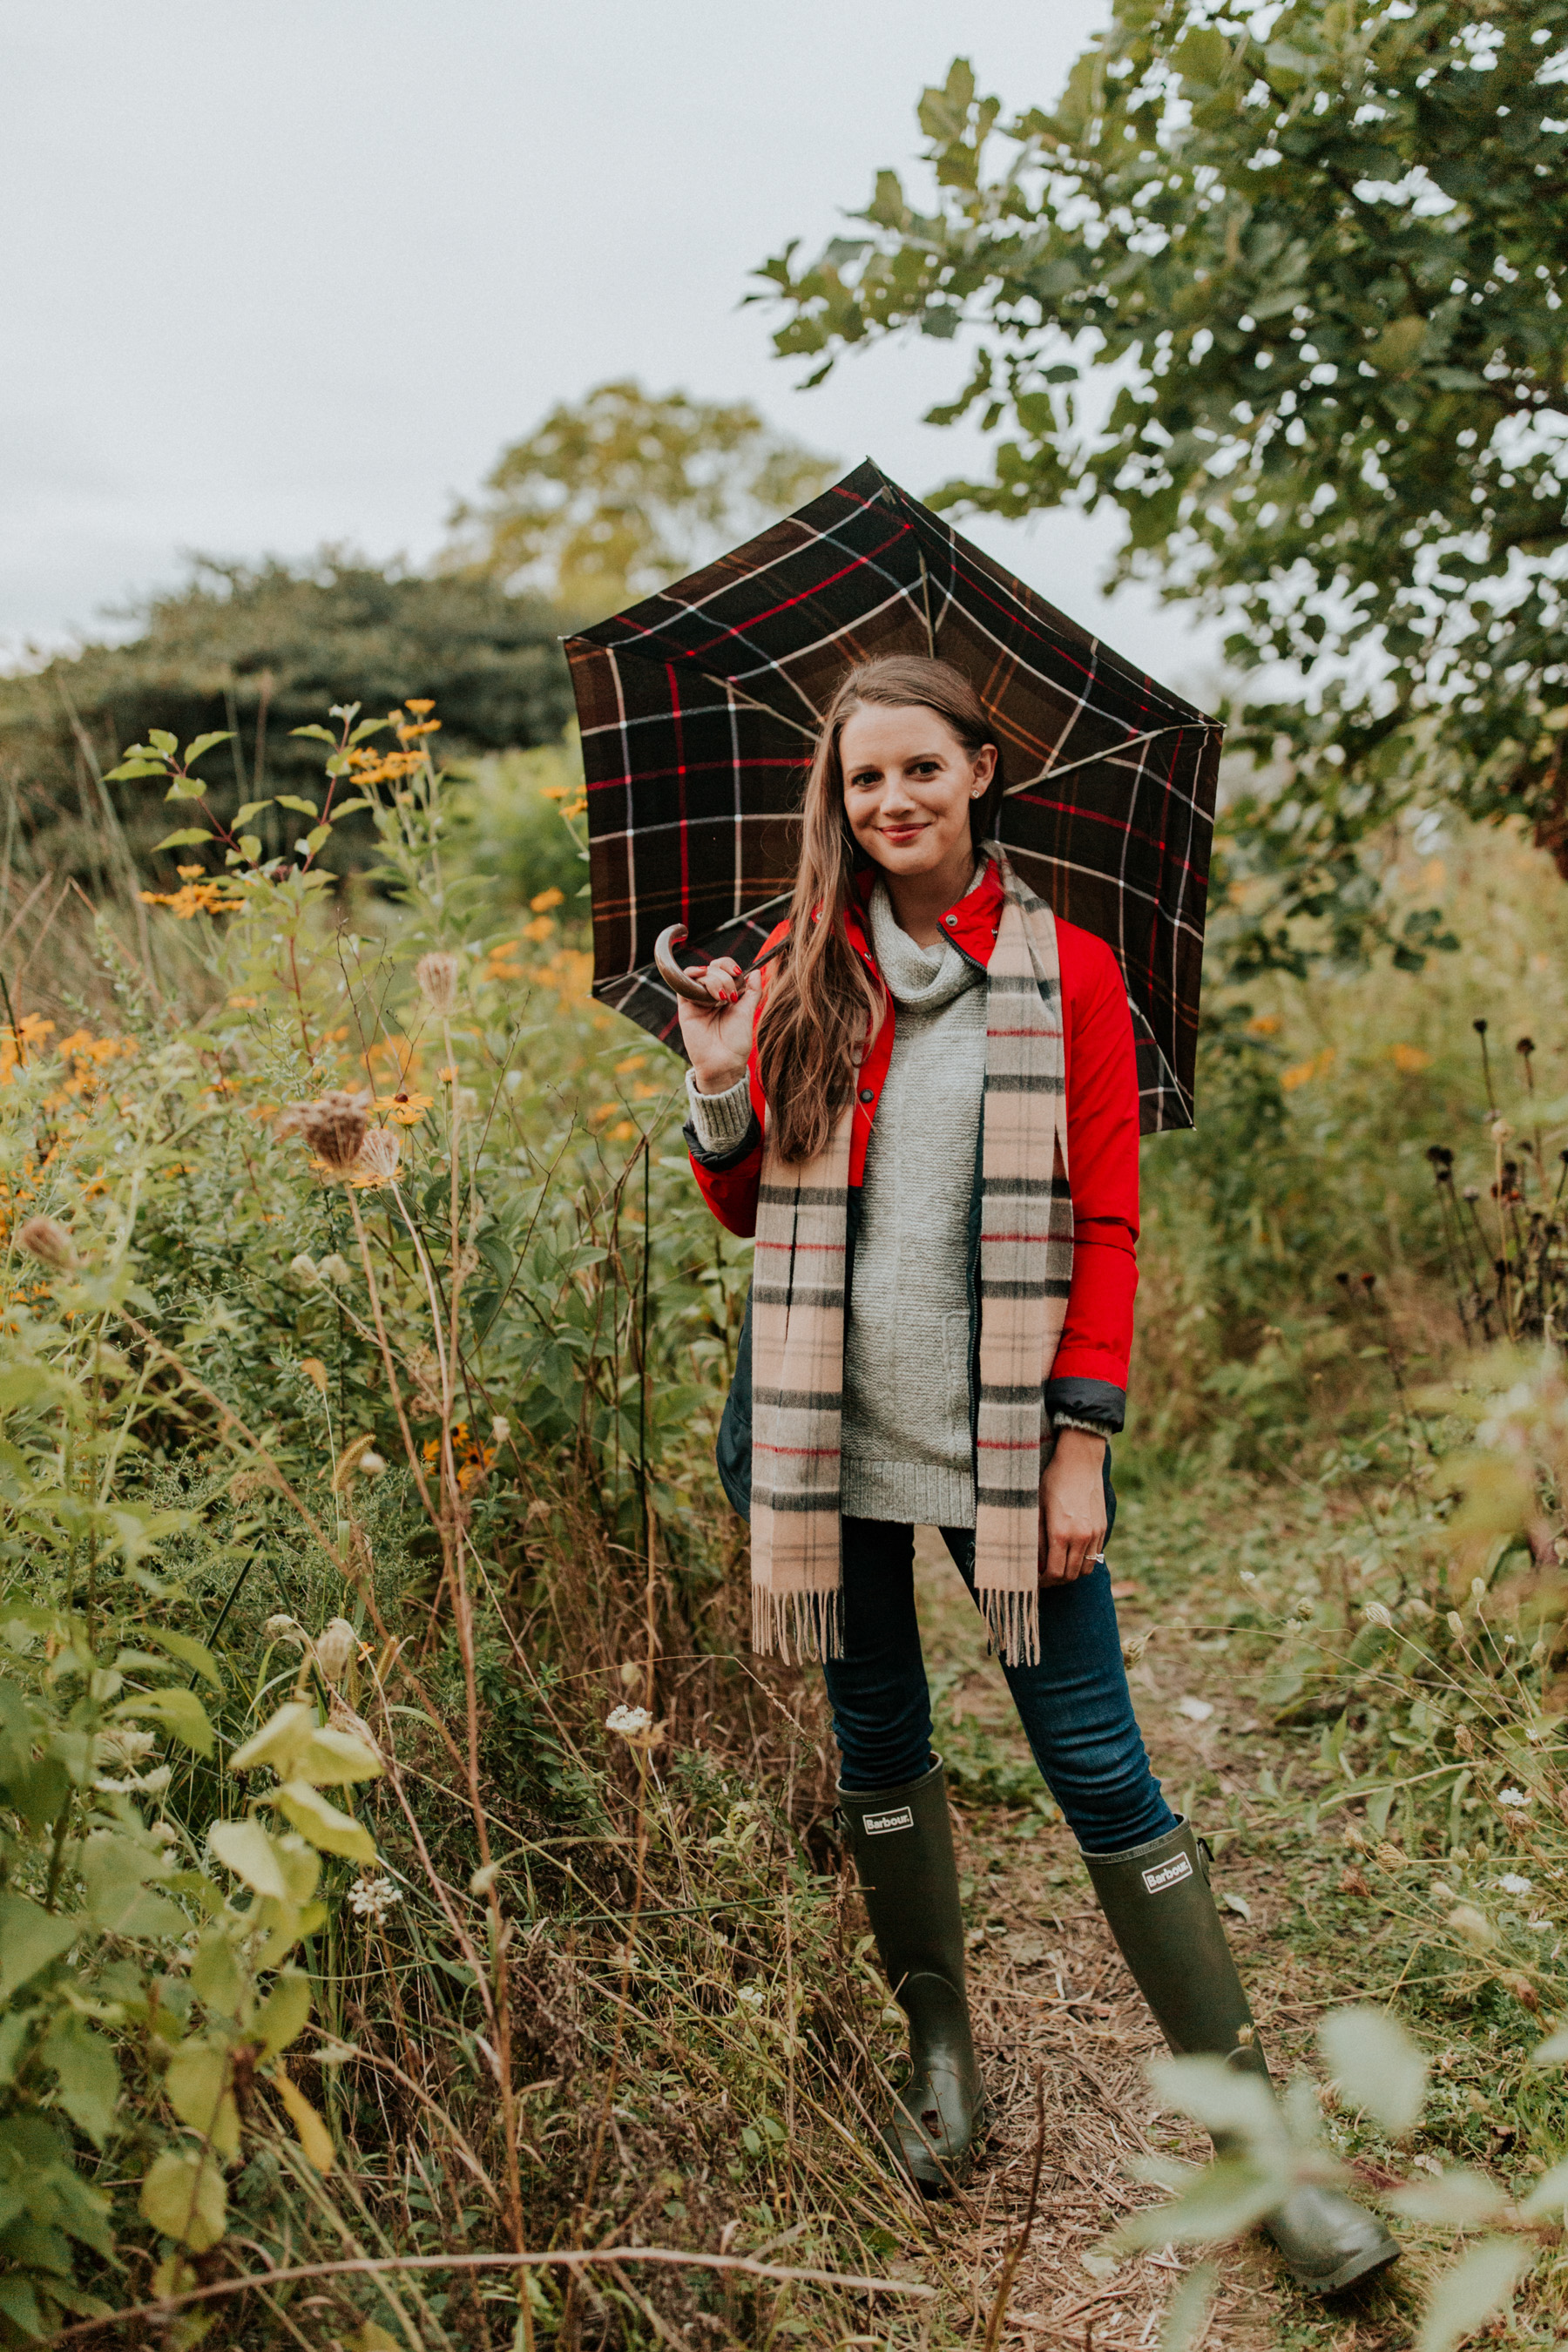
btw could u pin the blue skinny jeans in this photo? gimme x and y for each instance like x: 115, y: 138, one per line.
x: 1075, y: 1705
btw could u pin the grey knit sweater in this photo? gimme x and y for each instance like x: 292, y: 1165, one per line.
x: 906, y: 1356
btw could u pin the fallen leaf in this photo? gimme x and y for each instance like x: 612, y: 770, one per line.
x: 1196, y: 1710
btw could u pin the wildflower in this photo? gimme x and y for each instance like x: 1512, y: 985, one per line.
x: 333, y: 1126
x: 371, y: 1899
x: 335, y: 1268
x: 1512, y: 1798
x: 371, y: 1463
x: 1499, y: 1130
x: 500, y: 1429
x: 437, y: 974
x: 1455, y: 1624
x: 1376, y: 1614
x: 1512, y: 1883
x: 49, y: 1242
x: 752, y: 1997
x: 1247, y: 1576
x: 629, y: 1721
x: 142, y: 1784
x: 1390, y: 1857
x: 379, y: 1155
x: 164, y: 1833
x: 305, y: 1269
x: 286, y: 1629
x: 545, y: 899
x: 335, y: 1648
x: 1473, y: 1925
x: 315, y: 1372
x: 539, y: 929
x: 124, y: 1744
x: 1409, y: 1058
x: 1478, y: 1590
x: 405, y: 1108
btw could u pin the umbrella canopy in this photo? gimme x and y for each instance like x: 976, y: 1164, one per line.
x: 700, y: 708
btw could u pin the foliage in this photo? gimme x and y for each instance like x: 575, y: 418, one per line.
x: 1285, y: 287
x: 609, y: 498
x: 256, y: 652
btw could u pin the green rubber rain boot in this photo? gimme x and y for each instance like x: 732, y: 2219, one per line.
x: 1156, y: 1898
x: 901, y: 1840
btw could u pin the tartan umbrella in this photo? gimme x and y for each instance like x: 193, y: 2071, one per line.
x: 700, y: 708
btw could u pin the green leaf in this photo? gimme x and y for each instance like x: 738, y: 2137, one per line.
x: 1202, y: 56
x: 333, y: 1758
x: 349, y: 808
x: 214, y: 1971
x: 88, y: 2085
x: 180, y: 1710
x: 1453, y: 2200
x: 313, y: 840
x: 281, y: 1741
x: 162, y: 740
x: 1187, y: 2314
x: 186, y: 788
x: 322, y: 1823
x: 321, y: 735
x: 189, y: 1651
x: 1217, y: 2202
x: 20, y: 2305
x: 197, y: 2086
x: 130, y: 768
x: 284, y: 2014
x: 1396, y: 348
x: 245, y: 1848
x: 251, y: 808
x: 30, y: 1938
x: 1465, y: 2297
x: 205, y: 743
x: 190, y: 836
x: 183, y: 2196
x: 292, y: 800
x: 1554, y: 2051
x: 1377, y: 2066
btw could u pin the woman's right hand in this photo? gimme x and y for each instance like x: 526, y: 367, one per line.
x: 718, y: 1035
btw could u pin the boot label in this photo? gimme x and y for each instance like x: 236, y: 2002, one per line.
x: 1168, y: 1874
x: 879, y: 1825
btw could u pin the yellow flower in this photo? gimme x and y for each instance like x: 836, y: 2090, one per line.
x: 545, y: 899
x: 419, y: 705
x: 601, y: 1112
x: 1409, y: 1057
x: 632, y: 1062
x: 553, y: 792
x: 404, y: 1109
x: 623, y: 1133
x: 245, y: 1003
x: 1264, y: 1024
x: 1304, y: 1072
x: 540, y: 929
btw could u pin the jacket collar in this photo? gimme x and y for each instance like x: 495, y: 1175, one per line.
x: 972, y: 923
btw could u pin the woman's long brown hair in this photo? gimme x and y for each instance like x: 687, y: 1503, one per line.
x: 822, y: 1003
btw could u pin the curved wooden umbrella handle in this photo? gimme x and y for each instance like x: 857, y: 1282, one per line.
x: 671, y: 972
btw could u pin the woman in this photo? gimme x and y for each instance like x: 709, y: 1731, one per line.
x: 937, y: 1334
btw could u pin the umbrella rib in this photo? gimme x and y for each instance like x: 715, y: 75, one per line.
x: 768, y: 711
x: 1049, y: 775
x: 925, y: 598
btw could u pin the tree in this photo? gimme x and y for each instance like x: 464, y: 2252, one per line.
x: 608, y: 499
x: 261, y: 650
x: 1286, y: 287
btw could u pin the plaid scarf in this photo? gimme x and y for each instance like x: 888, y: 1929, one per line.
x: 798, y: 1304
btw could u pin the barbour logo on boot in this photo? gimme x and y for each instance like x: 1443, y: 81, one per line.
x: 1167, y: 1874
x: 879, y: 1825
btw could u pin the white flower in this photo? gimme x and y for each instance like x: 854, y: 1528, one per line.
x: 373, y: 1899
x: 629, y: 1721
x: 1512, y: 1883
x: 1478, y: 1590
x: 165, y: 1833
x: 286, y: 1629
x: 334, y: 1268
x: 1455, y: 1624
x: 335, y: 1648
x: 1514, y: 1797
x: 141, y: 1784
x: 371, y: 1463
x: 124, y: 1744
x: 1247, y: 1576
x: 304, y: 1269
x: 500, y: 1429
x: 1376, y: 1614
x: 752, y: 1997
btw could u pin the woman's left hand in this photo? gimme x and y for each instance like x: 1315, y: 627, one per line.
x: 1072, y: 1507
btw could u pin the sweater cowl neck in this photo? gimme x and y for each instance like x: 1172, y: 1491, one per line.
x: 921, y: 980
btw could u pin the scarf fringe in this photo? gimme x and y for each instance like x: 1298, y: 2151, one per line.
x: 797, y: 1626
x: 1013, y: 1621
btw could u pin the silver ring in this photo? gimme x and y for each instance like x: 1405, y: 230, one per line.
x: 1100, y: 1559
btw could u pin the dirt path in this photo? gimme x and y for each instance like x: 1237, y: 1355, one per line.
x: 1053, y: 1999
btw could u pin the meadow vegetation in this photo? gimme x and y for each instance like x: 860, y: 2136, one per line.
x: 417, y: 1902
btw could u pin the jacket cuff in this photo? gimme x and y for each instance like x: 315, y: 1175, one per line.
x: 718, y: 1163
x: 1078, y: 1403
x: 719, y: 1122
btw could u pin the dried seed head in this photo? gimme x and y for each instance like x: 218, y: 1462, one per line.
x: 437, y: 974
x: 1455, y: 1624
x: 333, y: 1126
x: 336, y: 1648
x: 501, y: 1428
x: 49, y: 1242
x: 378, y: 1158
x: 286, y: 1629
x: 335, y: 1268
x: 1376, y: 1614
x: 303, y: 1268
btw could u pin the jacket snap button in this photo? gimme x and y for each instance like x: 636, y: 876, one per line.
x: 950, y: 918
x: 866, y: 1094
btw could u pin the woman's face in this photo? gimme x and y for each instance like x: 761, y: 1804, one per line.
x: 908, y: 786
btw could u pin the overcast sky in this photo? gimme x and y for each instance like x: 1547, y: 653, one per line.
x: 293, y: 271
